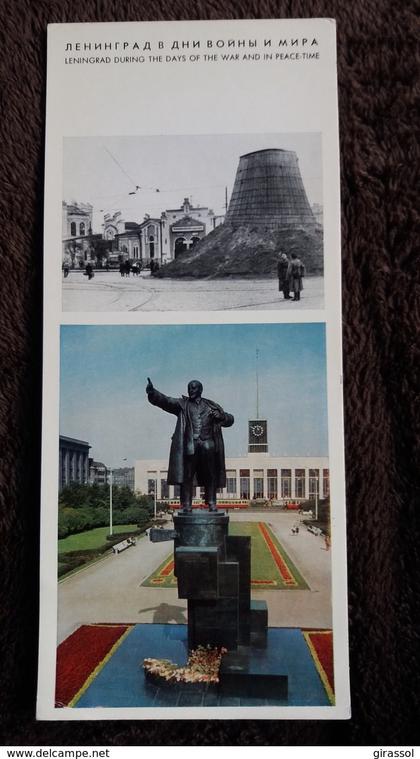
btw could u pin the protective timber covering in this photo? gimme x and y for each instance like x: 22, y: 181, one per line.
x: 268, y: 212
x: 269, y: 191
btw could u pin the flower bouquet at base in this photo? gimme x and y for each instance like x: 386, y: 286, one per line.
x: 200, y: 671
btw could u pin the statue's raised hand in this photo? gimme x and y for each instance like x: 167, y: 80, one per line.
x: 149, y: 386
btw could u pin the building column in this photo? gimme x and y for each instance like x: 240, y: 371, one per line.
x: 306, y: 483
x: 265, y: 485
x: 67, y: 467
x: 320, y: 483
x: 293, y: 495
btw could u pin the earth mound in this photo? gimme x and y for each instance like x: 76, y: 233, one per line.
x: 247, y: 251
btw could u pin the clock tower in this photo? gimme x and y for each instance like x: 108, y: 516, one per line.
x: 257, y: 436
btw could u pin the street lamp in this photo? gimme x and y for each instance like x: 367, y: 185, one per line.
x: 154, y: 498
x: 110, y: 501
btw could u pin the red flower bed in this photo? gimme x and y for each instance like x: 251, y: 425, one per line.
x: 320, y: 644
x: 80, y: 654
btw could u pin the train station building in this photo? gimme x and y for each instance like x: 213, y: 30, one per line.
x: 258, y: 475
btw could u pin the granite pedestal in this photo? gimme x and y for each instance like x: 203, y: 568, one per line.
x: 214, y: 573
x: 213, y: 570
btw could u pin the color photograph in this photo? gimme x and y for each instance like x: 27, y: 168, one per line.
x: 194, y: 517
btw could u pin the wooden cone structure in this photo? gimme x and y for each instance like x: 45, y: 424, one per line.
x: 269, y: 192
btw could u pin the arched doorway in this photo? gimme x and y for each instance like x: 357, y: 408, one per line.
x: 180, y: 246
x: 194, y: 241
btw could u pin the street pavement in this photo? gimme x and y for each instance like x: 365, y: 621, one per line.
x: 111, y: 591
x: 108, y: 291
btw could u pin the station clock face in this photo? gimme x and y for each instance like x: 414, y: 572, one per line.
x: 257, y: 433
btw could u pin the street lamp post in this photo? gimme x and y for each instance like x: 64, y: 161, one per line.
x: 154, y: 498
x: 110, y: 501
x: 110, y: 498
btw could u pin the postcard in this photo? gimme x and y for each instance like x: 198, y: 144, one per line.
x: 193, y: 550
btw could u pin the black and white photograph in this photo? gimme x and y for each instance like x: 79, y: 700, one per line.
x: 192, y: 222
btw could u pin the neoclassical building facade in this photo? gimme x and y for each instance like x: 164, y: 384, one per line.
x: 160, y: 238
x: 73, y: 461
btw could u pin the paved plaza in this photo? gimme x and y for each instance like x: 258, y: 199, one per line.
x: 108, y: 291
x: 111, y: 590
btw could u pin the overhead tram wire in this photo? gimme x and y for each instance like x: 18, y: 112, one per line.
x: 160, y: 190
x: 140, y: 187
x: 136, y: 186
x: 119, y: 166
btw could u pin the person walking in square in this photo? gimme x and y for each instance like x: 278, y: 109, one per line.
x: 89, y: 270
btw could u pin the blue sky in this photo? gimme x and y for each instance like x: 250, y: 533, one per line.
x: 104, y: 371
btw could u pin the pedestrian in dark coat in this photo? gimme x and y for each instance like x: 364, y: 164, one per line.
x: 297, y: 272
x: 283, y: 275
x: 89, y: 270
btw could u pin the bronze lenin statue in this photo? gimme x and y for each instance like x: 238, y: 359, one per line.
x: 197, y: 448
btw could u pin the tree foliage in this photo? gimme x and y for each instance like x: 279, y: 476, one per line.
x: 83, y: 507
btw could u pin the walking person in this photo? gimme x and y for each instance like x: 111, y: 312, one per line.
x: 296, y: 274
x: 66, y: 268
x: 283, y: 275
x: 89, y: 270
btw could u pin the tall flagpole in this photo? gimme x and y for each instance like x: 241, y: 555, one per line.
x: 257, y: 381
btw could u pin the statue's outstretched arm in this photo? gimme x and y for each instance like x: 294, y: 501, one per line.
x: 171, y: 405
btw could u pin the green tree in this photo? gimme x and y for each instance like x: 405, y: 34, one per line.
x: 83, y: 507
